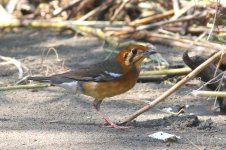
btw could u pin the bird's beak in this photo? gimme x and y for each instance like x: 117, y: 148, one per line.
x: 150, y: 52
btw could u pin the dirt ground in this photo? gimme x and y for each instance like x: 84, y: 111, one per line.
x: 51, y: 118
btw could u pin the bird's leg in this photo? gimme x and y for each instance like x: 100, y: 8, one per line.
x: 96, y: 105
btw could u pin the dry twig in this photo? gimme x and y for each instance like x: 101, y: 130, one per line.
x: 18, y: 64
x: 209, y: 93
x: 61, y: 9
x: 28, y: 86
x: 96, y: 10
x: 117, y: 11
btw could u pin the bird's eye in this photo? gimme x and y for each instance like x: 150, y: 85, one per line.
x: 134, y: 51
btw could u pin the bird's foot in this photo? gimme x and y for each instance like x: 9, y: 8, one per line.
x: 112, y: 125
x: 108, y: 122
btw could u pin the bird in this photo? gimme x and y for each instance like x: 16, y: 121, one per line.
x: 104, y: 79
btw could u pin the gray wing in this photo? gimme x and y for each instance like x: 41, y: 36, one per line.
x: 100, y: 72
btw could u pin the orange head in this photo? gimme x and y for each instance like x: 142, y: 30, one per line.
x: 133, y: 55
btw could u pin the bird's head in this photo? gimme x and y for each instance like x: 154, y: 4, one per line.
x: 133, y: 55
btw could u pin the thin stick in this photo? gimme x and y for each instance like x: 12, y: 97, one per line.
x: 58, y: 23
x: 176, y: 7
x: 29, y: 86
x: 68, y: 6
x: 181, y: 12
x: 209, y: 93
x: 214, y: 20
x: 161, y: 23
x: 175, y: 87
x: 95, y: 11
x: 152, y: 18
x: 44, y: 56
x: 166, y: 72
x: 15, y: 62
x: 117, y: 11
x: 179, y: 41
x: 10, y: 7
x: 199, y: 29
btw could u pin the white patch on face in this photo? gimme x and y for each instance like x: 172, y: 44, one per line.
x: 112, y: 74
x: 71, y: 86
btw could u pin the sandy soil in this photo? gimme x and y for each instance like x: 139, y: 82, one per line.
x: 51, y: 118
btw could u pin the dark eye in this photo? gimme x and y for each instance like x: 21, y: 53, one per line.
x: 134, y: 51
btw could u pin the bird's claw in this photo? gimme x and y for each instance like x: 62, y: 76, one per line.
x: 112, y: 125
x: 117, y: 126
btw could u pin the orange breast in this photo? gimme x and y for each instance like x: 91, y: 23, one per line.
x: 101, y: 90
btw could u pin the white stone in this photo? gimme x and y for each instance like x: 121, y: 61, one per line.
x: 166, y: 137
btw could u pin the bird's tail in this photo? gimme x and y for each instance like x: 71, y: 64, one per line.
x: 40, y: 79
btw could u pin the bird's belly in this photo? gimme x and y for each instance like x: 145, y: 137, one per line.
x: 101, y: 90
x: 72, y: 87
